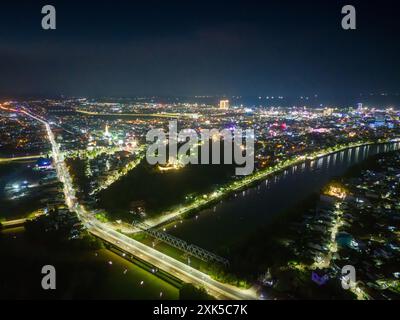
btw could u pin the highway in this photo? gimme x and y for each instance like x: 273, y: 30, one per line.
x: 141, y: 115
x: 21, y: 158
x: 13, y: 223
x: 106, y: 233
x: 170, y: 265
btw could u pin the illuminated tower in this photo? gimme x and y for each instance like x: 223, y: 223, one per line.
x: 224, y: 104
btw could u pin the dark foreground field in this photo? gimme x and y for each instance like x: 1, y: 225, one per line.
x: 81, y: 273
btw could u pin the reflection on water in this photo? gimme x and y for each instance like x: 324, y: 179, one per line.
x: 239, y: 216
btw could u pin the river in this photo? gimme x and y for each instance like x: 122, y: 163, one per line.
x: 239, y: 216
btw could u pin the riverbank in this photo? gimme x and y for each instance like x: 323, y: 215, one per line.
x: 223, y: 192
x: 250, y: 224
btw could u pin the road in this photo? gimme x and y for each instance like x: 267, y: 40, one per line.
x: 21, y: 158
x: 13, y: 223
x: 106, y: 233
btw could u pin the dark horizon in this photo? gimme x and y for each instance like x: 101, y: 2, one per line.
x: 374, y: 101
x: 244, y: 48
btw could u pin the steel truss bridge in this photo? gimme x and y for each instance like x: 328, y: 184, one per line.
x: 180, y: 244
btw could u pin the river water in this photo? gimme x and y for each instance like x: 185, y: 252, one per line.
x: 235, y: 218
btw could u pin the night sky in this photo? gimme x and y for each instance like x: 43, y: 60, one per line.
x: 185, y: 48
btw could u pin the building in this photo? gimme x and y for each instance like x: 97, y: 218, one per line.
x: 107, y: 131
x: 224, y: 104
x: 60, y: 110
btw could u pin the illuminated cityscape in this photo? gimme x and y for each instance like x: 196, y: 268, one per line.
x: 78, y: 185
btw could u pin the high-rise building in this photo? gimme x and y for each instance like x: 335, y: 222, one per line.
x: 224, y: 104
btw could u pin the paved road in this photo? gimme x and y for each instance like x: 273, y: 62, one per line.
x: 158, y: 259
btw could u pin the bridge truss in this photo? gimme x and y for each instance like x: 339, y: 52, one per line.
x: 180, y: 244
